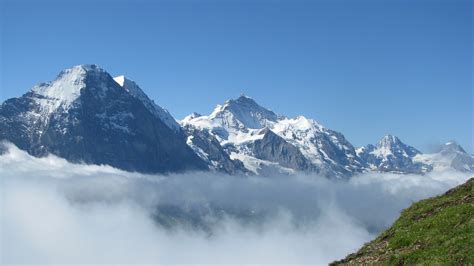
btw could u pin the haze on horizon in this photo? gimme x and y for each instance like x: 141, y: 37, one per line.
x: 363, y: 68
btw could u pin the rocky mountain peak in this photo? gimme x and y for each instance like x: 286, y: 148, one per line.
x: 67, y: 85
x: 451, y: 147
x: 392, y: 145
x: 392, y: 155
x: 388, y: 141
x: 244, y: 112
x: 84, y: 115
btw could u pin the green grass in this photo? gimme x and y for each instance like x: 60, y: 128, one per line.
x: 435, y: 231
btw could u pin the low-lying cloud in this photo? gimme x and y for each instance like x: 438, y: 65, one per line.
x: 56, y: 212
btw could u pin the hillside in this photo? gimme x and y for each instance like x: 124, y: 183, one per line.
x: 435, y: 231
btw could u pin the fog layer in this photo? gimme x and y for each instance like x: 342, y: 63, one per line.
x: 56, y: 212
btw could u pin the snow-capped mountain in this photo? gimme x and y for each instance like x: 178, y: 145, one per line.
x: 392, y: 155
x: 84, y: 115
x: 267, y: 142
x: 328, y: 150
x: 449, y: 156
x: 208, y: 148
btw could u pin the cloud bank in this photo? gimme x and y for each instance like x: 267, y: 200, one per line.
x: 56, y: 212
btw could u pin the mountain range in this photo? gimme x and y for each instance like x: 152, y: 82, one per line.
x: 87, y: 116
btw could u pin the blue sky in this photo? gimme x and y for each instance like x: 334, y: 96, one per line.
x: 365, y: 68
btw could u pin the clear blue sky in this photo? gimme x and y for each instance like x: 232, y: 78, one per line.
x: 360, y: 67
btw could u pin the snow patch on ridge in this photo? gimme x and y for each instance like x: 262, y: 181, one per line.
x: 64, y: 90
x: 120, y: 80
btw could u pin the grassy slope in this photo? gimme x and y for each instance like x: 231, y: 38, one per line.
x: 435, y: 231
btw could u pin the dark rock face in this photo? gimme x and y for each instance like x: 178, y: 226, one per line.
x: 103, y: 125
x: 3, y: 149
x: 341, y: 160
x: 274, y: 148
x: 18, y: 128
x: 212, y: 152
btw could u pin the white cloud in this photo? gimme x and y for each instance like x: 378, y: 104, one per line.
x: 57, y: 212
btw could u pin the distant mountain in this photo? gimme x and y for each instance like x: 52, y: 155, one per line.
x: 84, y: 115
x: 435, y: 231
x: 392, y: 155
x: 267, y: 143
x: 449, y: 156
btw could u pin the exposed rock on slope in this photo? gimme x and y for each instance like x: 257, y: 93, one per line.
x: 274, y: 148
x: 209, y: 149
x: 86, y: 116
x: 264, y: 140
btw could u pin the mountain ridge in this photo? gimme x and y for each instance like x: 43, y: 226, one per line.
x: 112, y: 121
x: 94, y: 120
